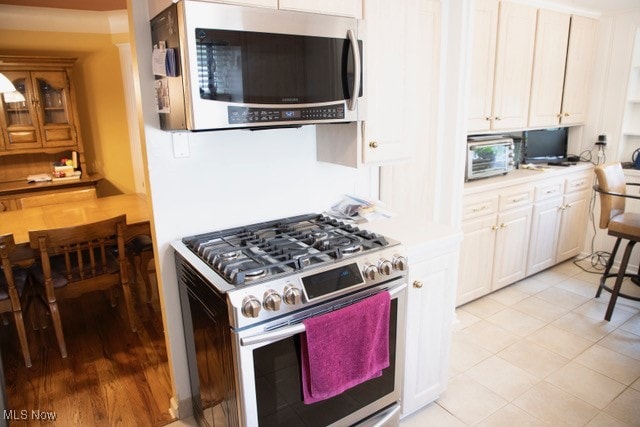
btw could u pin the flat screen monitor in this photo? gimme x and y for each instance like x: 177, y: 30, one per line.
x: 546, y: 145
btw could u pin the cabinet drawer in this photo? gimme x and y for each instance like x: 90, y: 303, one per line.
x: 479, y: 205
x: 548, y: 190
x: 516, y: 197
x: 578, y: 183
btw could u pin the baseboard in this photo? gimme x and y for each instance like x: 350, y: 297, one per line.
x: 181, y: 409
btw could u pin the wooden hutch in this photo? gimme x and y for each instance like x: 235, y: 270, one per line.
x: 39, y: 130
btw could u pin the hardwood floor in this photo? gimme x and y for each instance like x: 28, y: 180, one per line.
x: 112, y: 376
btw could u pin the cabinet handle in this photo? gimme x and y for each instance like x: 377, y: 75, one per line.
x: 417, y: 284
x: 35, y: 102
x: 481, y: 208
x: 488, y: 118
x: 518, y: 199
x: 549, y: 191
x: 560, y: 115
x: 373, y: 144
x: 566, y: 114
x: 498, y: 118
x: 561, y: 208
x: 494, y: 228
x: 568, y: 205
x: 503, y: 225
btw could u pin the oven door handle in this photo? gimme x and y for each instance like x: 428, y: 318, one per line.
x: 299, y: 328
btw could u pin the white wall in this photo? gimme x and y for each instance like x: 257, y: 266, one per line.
x: 229, y: 178
x: 614, y: 47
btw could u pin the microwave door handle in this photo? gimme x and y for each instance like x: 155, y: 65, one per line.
x: 356, y: 68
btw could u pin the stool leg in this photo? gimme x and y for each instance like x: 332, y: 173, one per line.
x: 608, y: 267
x: 619, y: 279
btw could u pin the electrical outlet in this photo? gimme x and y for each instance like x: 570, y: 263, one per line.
x: 180, y: 144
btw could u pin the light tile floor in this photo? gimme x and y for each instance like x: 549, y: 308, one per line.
x: 539, y: 352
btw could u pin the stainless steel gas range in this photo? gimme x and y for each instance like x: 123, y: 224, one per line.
x: 245, y: 293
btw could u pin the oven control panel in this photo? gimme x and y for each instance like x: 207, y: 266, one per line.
x: 240, y: 115
x: 278, y: 297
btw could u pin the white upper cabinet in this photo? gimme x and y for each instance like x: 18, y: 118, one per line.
x: 350, y: 8
x: 514, y: 64
x: 580, y: 55
x: 552, y: 36
x: 483, y: 59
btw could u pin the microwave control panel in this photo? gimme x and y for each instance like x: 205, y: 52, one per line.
x: 239, y: 115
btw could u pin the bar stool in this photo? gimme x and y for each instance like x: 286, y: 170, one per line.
x: 619, y: 224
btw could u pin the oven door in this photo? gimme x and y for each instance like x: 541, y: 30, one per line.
x: 491, y: 159
x: 256, y: 67
x: 269, y: 378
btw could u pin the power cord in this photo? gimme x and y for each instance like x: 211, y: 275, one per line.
x: 599, y: 259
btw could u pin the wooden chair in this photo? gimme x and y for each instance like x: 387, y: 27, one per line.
x: 81, y: 259
x: 13, y: 284
x: 140, y: 254
x: 56, y: 198
x: 619, y: 224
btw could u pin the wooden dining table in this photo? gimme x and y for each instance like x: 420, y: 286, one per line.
x: 134, y: 205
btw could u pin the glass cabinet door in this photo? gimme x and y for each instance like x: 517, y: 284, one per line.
x: 20, y: 117
x: 52, y: 88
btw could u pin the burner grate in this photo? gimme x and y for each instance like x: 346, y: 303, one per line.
x: 257, y: 252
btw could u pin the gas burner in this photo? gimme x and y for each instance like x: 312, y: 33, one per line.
x: 254, y: 274
x: 353, y: 249
x: 228, y: 256
x: 319, y: 235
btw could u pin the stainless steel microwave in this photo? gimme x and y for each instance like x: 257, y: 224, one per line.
x: 221, y: 66
x: 489, y: 156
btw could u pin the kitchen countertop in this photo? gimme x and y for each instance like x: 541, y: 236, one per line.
x: 522, y: 176
x: 415, y: 233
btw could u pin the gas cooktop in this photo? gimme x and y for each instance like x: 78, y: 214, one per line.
x: 258, y: 252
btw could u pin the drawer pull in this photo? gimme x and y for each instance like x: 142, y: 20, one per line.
x: 479, y: 208
x: 417, y: 284
x: 521, y: 199
x: 551, y: 191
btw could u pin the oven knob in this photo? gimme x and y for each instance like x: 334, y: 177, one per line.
x: 385, y: 267
x: 250, y: 306
x: 272, y: 300
x: 370, y: 271
x: 292, y: 295
x: 399, y: 263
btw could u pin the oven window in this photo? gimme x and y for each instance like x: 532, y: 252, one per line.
x: 265, y: 68
x: 279, y: 386
x: 489, y: 158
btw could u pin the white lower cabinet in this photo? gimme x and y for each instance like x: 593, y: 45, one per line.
x: 430, y: 311
x: 513, y: 231
x: 559, y: 223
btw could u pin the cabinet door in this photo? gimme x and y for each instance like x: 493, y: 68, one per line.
x: 476, y: 258
x: 514, y: 63
x: 20, y: 118
x: 544, y: 235
x: 54, y: 108
x: 579, y: 63
x: 430, y: 311
x: 383, y: 134
x: 552, y: 36
x: 510, y: 256
x: 483, y: 59
x: 351, y: 8
x: 572, y: 225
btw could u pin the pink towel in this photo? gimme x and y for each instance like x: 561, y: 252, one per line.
x: 344, y: 348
